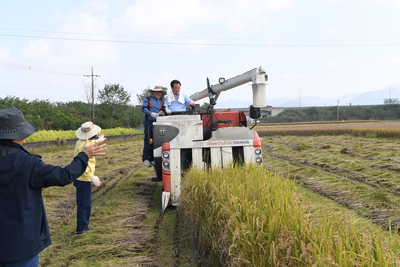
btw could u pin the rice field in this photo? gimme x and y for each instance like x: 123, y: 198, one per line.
x: 52, y: 135
x: 318, y: 200
x: 389, y: 129
x: 321, y: 199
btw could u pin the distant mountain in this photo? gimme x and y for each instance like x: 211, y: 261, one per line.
x: 369, y: 98
x: 377, y: 97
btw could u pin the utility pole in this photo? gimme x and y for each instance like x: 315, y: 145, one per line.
x: 337, y: 114
x: 92, y: 94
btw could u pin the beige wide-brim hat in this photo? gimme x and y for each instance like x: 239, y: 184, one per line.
x: 87, y: 130
x: 159, y: 89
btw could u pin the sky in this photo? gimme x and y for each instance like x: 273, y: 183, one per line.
x: 325, y: 48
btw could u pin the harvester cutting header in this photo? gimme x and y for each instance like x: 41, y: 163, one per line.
x: 210, y: 139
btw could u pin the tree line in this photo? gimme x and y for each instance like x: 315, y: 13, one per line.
x: 112, y: 110
x: 373, y: 112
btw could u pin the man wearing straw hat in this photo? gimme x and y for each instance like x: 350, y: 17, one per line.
x: 24, y: 231
x: 152, y: 108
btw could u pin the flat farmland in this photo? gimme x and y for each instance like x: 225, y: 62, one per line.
x: 361, y: 174
x: 336, y: 171
x: 390, y: 129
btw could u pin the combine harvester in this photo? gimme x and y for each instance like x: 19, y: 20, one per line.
x: 207, y: 140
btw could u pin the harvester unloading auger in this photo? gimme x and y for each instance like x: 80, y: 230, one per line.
x: 207, y: 140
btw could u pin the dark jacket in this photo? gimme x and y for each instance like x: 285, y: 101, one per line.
x: 24, y: 231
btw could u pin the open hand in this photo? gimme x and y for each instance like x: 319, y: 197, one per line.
x: 95, y: 149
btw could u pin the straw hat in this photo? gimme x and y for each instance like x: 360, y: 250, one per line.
x: 13, y: 125
x: 87, y: 130
x: 159, y: 89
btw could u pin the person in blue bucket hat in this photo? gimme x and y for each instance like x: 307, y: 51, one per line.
x: 24, y: 231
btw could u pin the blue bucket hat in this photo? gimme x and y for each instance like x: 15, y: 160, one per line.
x: 13, y: 125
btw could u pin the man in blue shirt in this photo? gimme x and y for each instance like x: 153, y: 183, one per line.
x: 175, y: 101
x: 152, y: 108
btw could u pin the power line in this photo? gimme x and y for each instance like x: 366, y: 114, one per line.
x: 201, y: 44
x: 41, y: 88
x: 207, y: 38
x: 28, y: 68
x: 104, y: 81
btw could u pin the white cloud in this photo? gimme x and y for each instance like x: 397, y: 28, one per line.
x: 5, y: 53
x: 380, y: 68
x: 99, y: 6
x: 380, y: 3
x: 292, y: 76
x: 334, y: 30
x: 76, y: 52
x: 36, y: 49
x: 166, y: 18
x: 274, y: 6
x: 374, y: 3
x: 241, y: 15
x: 333, y: 64
x: 164, y: 78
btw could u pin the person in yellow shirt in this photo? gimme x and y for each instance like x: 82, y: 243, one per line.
x: 87, y: 131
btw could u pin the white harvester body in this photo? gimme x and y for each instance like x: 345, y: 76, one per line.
x: 207, y: 141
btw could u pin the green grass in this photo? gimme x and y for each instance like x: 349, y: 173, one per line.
x: 127, y: 228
